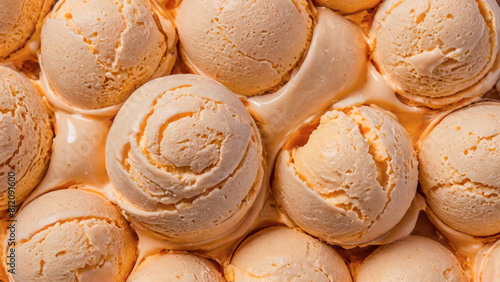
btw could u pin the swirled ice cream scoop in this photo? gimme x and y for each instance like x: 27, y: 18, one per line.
x: 249, y: 46
x: 73, y: 235
x: 351, y: 179
x: 185, y: 158
x: 414, y: 258
x: 489, y: 264
x: 460, y: 169
x: 348, y: 6
x: 25, y: 137
x: 176, y: 267
x: 20, y: 24
x: 285, y: 254
x: 95, y: 53
x: 436, y: 48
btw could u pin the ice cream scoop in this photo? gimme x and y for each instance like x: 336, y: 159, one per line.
x: 348, y: 6
x: 285, y: 254
x: 177, y: 267
x: 25, y: 137
x: 432, y: 49
x: 489, y: 264
x: 348, y: 178
x: 460, y: 169
x: 185, y: 159
x: 95, y: 53
x: 20, y: 25
x: 73, y: 235
x: 414, y: 258
x: 249, y: 46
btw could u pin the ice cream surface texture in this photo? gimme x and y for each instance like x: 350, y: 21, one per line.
x: 249, y: 46
x: 351, y: 179
x: 285, y: 254
x: 177, y: 267
x: 185, y: 158
x: 25, y: 135
x: 19, y: 22
x: 73, y: 235
x: 95, y: 53
x: 435, y: 48
x: 414, y: 258
x: 460, y: 169
x: 348, y: 6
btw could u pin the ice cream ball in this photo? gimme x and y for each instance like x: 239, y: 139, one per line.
x: 95, y: 53
x: 348, y: 178
x: 431, y: 49
x: 185, y: 160
x: 413, y: 258
x: 20, y: 25
x: 249, y: 46
x: 283, y: 254
x: 489, y: 264
x: 72, y: 235
x: 25, y: 137
x: 348, y: 6
x: 177, y: 267
x: 460, y: 169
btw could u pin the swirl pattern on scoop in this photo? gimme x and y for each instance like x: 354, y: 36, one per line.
x: 460, y: 169
x: 25, y: 135
x: 73, y: 235
x: 351, y: 179
x: 185, y: 158
x: 95, y: 53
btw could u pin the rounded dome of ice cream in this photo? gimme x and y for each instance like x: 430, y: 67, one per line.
x: 350, y: 179
x: 249, y: 46
x: 430, y: 49
x: 20, y: 21
x: 73, y: 235
x: 414, y: 258
x: 177, y: 267
x: 185, y: 158
x: 460, y: 169
x: 95, y: 53
x: 25, y: 136
x: 285, y: 254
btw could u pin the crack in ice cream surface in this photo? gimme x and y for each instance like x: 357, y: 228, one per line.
x: 193, y: 149
x: 25, y: 134
x: 96, y: 53
x: 360, y: 199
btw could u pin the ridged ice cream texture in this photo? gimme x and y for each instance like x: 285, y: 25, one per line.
x: 285, y: 254
x: 249, y: 46
x: 435, y: 48
x: 414, y: 258
x: 460, y: 169
x: 95, y: 53
x: 351, y: 180
x: 185, y: 158
x: 348, y: 6
x: 20, y: 21
x: 177, y: 267
x: 25, y: 135
x: 73, y: 235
